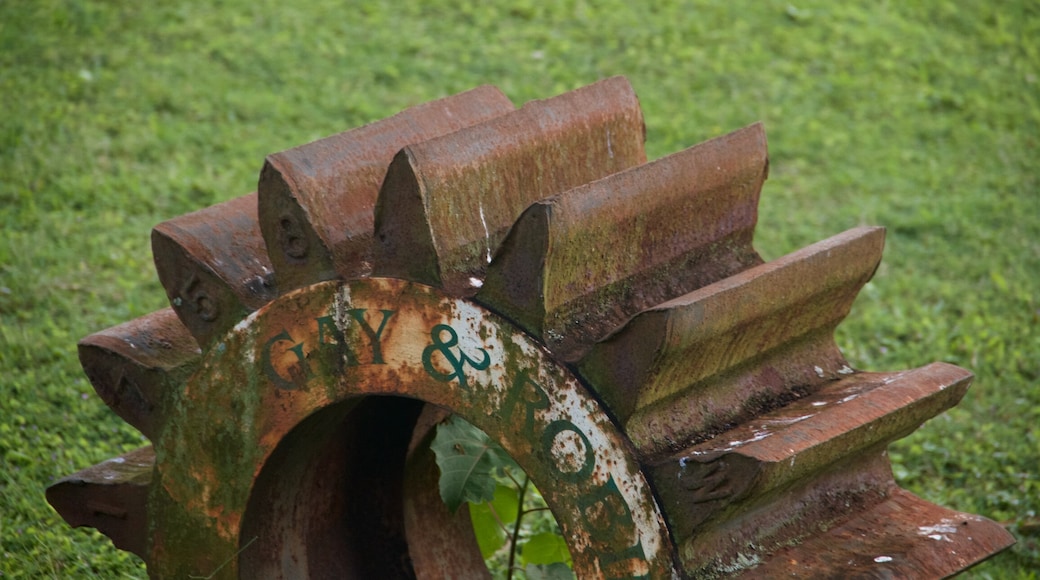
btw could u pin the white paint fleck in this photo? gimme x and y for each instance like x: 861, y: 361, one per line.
x: 741, y: 563
x: 487, y: 235
x: 758, y: 436
x: 819, y: 403
x: 883, y: 559
x: 788, y: 420
x: 819, y: 371
x: 938, y: 532
x: 893, y: 378
x: 117, y: 460
x: 845, y: 370
x: 849, y: 398
x: 246, y: 322
x: 476, y: 282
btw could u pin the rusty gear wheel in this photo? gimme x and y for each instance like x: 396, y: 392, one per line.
x: 681, y: 405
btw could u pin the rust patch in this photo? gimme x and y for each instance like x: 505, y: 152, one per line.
x: 902, y: 537
x: 677, y: 224
x: 725, y: 330
x: 111, y: 497
x: 317, y: 200
x: 214, y: 266
x: 134, y: 364
x: 447, y: 203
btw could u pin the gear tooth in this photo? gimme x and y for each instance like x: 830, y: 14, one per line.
x: 316, y: 201
x: 133, y: 364
x: 214, y: 266
x: 515, y: 285
x: 578, y: 265
x: 889, y: 536
x: 739, y: 346
x: 447, y: 203
x: 843, y: 419
x: 746, y: 413
x: 811, y: 464
x: 112, y: 497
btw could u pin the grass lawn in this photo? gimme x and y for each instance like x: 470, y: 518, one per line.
x: 920, y: 116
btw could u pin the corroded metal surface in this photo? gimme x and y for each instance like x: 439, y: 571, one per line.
x: 214, y: 266
x: 130, y: 365
x: 317, y: 200
x: 677, y: 224
x: 682, y: 407
x: 111, y: 497
x: 447, y: 203
x: 713, y: 485
x: 656, y: 371
x: 902, y: 537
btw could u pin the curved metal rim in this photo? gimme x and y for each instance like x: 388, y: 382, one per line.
x: 330, y: 342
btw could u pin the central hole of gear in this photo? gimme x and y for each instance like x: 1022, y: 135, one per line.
x: 328, y: 502
x: 353, y: 491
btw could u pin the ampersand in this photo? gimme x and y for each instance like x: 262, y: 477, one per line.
x: 457, y: 363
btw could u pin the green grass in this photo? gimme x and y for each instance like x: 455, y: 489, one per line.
x: 920, y: 116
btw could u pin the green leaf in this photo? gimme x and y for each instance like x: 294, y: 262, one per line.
x: 545, y: 548
x: 490, y: 535
x: 556, y: 571
x: 507, y: 500
x: 467, y: 458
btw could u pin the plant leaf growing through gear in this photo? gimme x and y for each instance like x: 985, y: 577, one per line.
x: 491, y: 519
x: 468, y: 459
x: 477, y: 470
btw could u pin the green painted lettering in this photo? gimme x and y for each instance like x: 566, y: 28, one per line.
x: 605, y: 509
x: 563, y: 461
x: 608, y: 517
x: 456, y: 362
x: 298, y: 374
x: 533, y: 397
x: 358, y: 314
x: 622, y: 564
x: 335, y: 353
